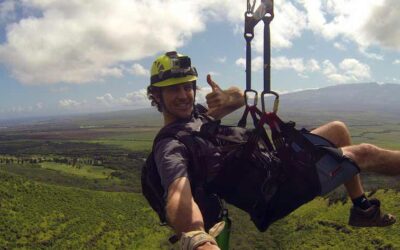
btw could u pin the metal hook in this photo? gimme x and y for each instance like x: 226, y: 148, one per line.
x: 253, y: 6
x: 276, y: 101
x: 247, y: 97
x: 264, y: 11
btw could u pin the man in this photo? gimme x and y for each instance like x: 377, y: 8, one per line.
x: 172, y: 91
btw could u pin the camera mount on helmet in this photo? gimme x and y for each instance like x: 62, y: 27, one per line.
x: 179, y: 66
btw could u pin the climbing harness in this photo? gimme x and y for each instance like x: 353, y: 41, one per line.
x: 295, y: 168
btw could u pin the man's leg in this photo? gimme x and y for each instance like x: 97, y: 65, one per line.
x: 364, y: 213
x: 367, y: 156
x: 338, y: 133
x: 372, y: 158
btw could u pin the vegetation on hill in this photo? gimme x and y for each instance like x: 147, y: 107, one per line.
x: 76, y: 185
x: 42, y: 216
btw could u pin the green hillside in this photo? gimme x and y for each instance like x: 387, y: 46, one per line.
x: 75, y: 184
x: 41, y: 216
x: 319, y: 226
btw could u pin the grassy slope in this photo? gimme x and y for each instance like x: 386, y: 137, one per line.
x: 36, y: 216
x: 319, y: 226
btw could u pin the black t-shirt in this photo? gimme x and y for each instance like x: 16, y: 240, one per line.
x: 172, y: 157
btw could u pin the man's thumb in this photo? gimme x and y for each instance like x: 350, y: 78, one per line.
x: 212, y: 84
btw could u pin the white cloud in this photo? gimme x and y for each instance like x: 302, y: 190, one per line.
x: 288, y: 24
x: 313, y: 65
x: 383, y: 25
x: 349, y: 70
x: 139, y: 70
x: 397, y: 61
x: 133, y: 100
x: 84, y: 41
x: 281, y: 63
x: 297, y: 64
x: 339, y: 46
x: 366, y: 22
x: 256, y: 63
x: 241, y: 62
x: 328, y: 67
x: 107, y: 99
x: 355, y: 68
x: 136, y: 99
x: 70, y: 104
x: 221, y: 59
x: 18, y: 109
x: 370, y: 54
x: 80, y: 41
x: 29, y: 109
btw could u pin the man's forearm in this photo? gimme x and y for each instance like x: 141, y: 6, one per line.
x: 182, y: 211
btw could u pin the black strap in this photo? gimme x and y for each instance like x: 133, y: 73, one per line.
x: 265, y: 13
x: 167, y: 74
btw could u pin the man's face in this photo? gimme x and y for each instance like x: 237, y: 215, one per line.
x: 178, y: 101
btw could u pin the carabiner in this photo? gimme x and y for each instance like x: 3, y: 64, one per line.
x: 265, y: 10
x: 276, y: 101
x: 246, y: 98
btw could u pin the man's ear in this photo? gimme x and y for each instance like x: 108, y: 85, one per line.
x: 157, y: 96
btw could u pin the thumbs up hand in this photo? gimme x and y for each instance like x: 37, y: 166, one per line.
x: 223, y: 102
x: 217, y: 98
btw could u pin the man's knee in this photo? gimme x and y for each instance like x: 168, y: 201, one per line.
x: 361, y: 153
x: 339, y: 126
x: 339, y: 133
x: 366, y: 149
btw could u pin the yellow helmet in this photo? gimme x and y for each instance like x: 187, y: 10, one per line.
x: 171, y: 69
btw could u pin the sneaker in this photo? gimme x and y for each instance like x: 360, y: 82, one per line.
x: 371, y: 217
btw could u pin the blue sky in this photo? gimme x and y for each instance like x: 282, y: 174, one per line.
x: 63, y: 57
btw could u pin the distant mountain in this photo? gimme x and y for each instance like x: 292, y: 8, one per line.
x: 369, y: 100
x: 366, y: 97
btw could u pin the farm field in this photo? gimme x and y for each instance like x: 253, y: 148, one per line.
x: 90, y: 172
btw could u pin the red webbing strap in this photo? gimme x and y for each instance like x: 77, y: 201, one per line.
x: 259, y: 132
x: 275, y: 124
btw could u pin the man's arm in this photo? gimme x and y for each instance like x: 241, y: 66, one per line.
x: 223, y: 102
x: 182, y: 211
